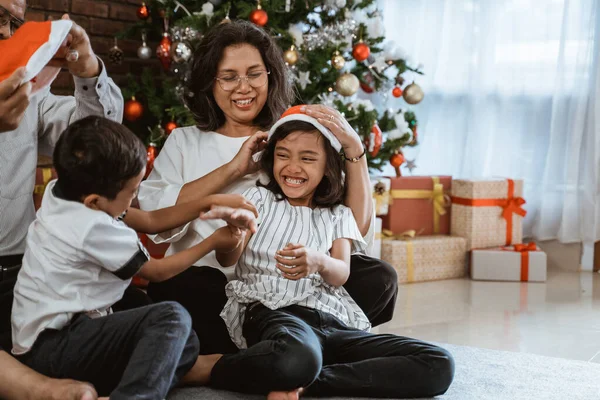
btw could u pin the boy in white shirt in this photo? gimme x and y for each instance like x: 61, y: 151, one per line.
x: 81, y: 254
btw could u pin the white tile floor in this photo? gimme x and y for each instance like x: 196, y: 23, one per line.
x: 559, y: 318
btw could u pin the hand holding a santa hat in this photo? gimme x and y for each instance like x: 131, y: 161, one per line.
x: 14, y: 99
x: 77, y: 54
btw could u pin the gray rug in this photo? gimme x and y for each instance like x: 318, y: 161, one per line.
x: 487, y: 374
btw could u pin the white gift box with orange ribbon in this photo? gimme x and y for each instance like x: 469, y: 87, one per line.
x: 521, y: 262
x: 488, y: 212
x: 425, y: 258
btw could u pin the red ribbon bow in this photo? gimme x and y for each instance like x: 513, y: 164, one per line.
x: 511, y: 205
x: 524, y: 249
x: 531, y: 246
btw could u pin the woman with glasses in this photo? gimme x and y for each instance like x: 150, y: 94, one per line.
x: 239, y: 89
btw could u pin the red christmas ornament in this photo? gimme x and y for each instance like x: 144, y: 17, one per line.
x: 366, y: 82
x: 366, y: 88
x: 133, y: 110
x: 374, y: 141
x: 163, y: 51
x: 361, y: 51
x: 259, y: 16
x: 151, y: 156
x: 169, y: 127
x: 143, y: 12
x: 397, y: 159
x: 397, y: 92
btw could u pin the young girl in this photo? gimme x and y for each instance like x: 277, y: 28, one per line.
x: 302, y: 331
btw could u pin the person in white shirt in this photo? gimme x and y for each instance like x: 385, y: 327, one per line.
x: 82, y: 251
x: 240, y: 87
x: 287, y: 305
x: 28, y: 123
x: 18, y: 382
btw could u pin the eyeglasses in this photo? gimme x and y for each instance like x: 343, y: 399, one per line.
x: 254, y: 79
x: 7, y: 18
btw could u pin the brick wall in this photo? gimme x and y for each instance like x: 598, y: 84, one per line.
x: 102, y: 20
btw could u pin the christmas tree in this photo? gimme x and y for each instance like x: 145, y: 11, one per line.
x: 335, y: 50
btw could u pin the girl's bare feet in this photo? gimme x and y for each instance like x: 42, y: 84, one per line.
x: 293, y: 395
x: 199, y: 375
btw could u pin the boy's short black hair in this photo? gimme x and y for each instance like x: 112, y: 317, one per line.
x: 331, y: 190
x: 97, y: 156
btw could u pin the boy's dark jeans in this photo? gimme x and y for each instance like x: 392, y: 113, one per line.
x: 299, y: 347
x: 136, y: 354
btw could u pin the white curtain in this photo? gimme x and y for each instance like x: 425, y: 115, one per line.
x: 512, y: 89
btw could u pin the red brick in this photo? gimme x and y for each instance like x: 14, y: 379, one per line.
x: 106, y: 27
x: 89, y: 8
x: 124, y: 12
x: 55, y: 5
x: 35, y: 15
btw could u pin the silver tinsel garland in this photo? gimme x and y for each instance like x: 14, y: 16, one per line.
x: 340, y: 32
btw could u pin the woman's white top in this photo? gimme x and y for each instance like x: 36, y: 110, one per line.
x: 257, y: 279
x: 189, y: 154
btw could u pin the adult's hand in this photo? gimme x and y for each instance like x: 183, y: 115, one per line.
x: 337, y: 124
x: 14, y: 99
x: 85, y: 64
x: 243, y: 163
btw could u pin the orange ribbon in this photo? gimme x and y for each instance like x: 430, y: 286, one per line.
x: 524, y: 249
x: 511, y: 205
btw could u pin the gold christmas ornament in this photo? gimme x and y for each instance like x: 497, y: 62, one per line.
x: 347, y: 84
x: 291, y: 56
x: 337, y: 61
x: 413, y: 94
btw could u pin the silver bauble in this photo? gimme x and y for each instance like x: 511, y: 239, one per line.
x: 181, y: 52
x: 347, y: 84
x: 413, y: 94
x: 144, y: 52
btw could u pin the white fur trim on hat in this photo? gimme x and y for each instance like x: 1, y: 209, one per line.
x: 335, y: 143
x: 43, y: 55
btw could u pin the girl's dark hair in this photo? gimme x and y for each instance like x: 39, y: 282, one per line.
x: 97, y: 156
x: 207, y: 57
x: 331, y: 190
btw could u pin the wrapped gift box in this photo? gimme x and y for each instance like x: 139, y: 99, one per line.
x: 43, y: 175
x: 375, y: 249
x: 522, y: 262
x: 426, y: 258
x: 419, y: 203
x: 488, y: 212
x: 381, y: 194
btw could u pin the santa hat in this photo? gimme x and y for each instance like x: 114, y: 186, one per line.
x: 296, y: 114
x: 32, y: 46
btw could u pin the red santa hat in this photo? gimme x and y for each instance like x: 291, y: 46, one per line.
x: 296, y: 114
x: 32, y: 46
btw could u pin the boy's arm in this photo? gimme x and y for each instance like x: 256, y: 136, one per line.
x: 158, y: 270
x: 296, y: 261
x: 229, y: 258
x: 168, y: 218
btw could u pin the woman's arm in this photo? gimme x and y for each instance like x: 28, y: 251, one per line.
x: 358, y: 184
x: 214, y: 182
x: 296, y: 262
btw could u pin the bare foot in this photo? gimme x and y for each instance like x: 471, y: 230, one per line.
x: 293, y: 395
x: 66, y: 389
x: 199, y: 375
